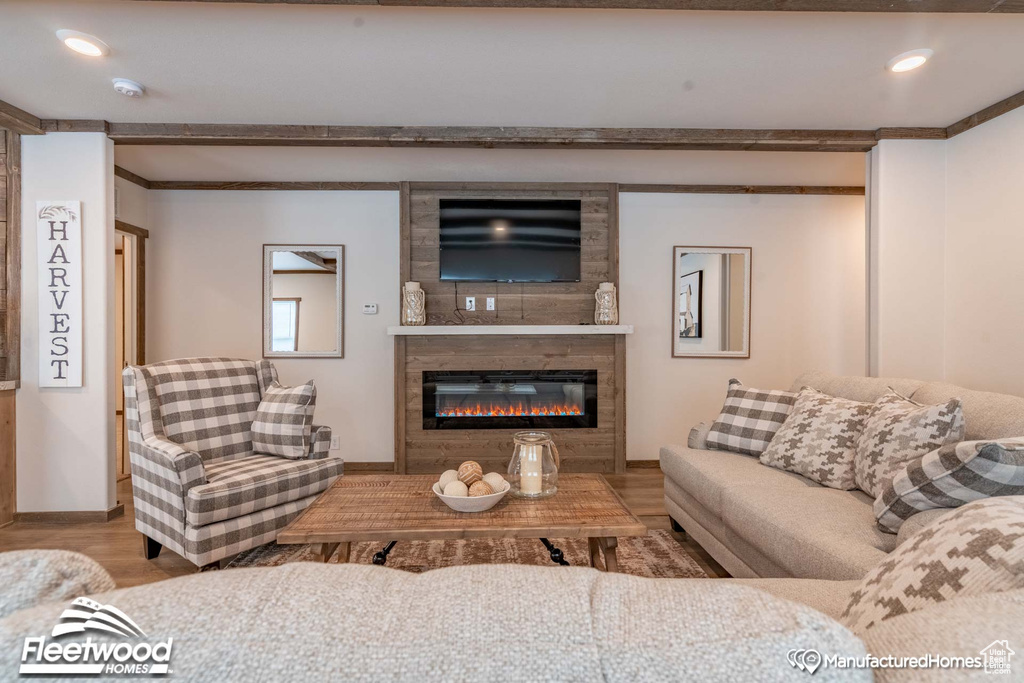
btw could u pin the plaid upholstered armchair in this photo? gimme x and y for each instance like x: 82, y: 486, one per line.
x: 199, y: 489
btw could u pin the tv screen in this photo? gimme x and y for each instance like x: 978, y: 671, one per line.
x: 510, y: 240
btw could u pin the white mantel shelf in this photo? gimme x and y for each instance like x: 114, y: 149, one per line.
x: 511, y: 330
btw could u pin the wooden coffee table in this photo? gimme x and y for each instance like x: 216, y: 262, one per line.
x: 394, y: 507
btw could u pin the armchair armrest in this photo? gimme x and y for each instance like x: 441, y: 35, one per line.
x: 167, y: 465
x: 319, y: 442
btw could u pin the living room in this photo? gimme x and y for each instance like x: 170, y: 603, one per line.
x: 459, y: 211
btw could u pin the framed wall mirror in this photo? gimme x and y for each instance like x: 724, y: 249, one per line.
x: 711, y: 302
x: 303, y: 301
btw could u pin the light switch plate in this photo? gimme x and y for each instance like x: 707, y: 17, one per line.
x: 369, y: 309
x: 335, y: 443
x: 470, y: 303
x: 490, y: 303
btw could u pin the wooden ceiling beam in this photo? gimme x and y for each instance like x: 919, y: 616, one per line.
x: 986, y: 114
x: 886, y: 6
x: 19, y: 121
x: 493, y: 137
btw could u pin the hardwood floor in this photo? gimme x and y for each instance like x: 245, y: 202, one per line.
x: 118, y: 546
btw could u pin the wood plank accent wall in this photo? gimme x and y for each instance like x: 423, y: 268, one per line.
x: 583, y: 450
x: 10, y: 313
x: 517, y: 304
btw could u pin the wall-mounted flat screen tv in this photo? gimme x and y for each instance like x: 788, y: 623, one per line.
x: 510, y: 240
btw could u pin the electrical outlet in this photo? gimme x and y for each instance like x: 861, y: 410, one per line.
x: 369, y: 309
x: 470, y: 303
x: 335, y: 443
x: 490, y: 303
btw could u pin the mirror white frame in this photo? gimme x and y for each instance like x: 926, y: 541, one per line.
x: 678, y: 251
x: 268, y: 300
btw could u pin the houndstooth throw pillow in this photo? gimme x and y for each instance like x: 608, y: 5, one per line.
x: 749, y: 419
x: 819, y: 439
x: 975, y: 550
x: 951, y: 476
x: 284, y: 420
x: 898, y: 431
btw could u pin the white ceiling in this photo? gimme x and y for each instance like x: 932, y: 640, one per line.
x: 243, y: 63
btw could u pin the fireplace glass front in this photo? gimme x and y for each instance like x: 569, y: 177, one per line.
x: 510, y: 399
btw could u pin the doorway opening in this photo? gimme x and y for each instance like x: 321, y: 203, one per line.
x: 129, y: 321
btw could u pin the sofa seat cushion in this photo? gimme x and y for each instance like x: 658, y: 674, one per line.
x: 706, y: 474
x: 240, y: 486
x: 814, y: 533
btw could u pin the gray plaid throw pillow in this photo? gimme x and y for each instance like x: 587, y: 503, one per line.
x: 749, y: 419
x: 284, y: 420
x: 951, y: 476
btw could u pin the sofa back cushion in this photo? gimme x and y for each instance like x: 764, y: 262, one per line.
x: 977, y: 549
x: 207, y: 405
x: 988, y: 415
x: 863, y: 389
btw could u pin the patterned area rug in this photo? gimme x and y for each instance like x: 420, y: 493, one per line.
x: 657, y: 555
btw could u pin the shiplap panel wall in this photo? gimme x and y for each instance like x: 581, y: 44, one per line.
x: 517, y: 304
x: 582, y: 450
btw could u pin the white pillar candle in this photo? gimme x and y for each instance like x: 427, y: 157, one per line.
x: 531, y: 470
x: 606, y: 286
x: 412, y: 286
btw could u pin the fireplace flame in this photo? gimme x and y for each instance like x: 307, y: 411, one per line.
x: 510, y: 411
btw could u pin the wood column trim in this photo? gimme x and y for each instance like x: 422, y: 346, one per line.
x: 19, y: 121
x: 12, y: 326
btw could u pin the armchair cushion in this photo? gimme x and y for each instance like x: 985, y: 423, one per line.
x: 241, y: 486
x: 284, y: 420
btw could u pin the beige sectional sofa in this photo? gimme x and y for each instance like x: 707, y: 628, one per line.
x: 757, y: 521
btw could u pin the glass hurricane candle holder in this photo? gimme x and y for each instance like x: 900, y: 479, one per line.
x: 533, y: 470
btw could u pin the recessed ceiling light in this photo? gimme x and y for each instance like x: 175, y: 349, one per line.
x: 908, y: 61
x: 83, y: 43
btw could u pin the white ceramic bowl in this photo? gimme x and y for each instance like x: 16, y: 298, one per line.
x: 471, y: 503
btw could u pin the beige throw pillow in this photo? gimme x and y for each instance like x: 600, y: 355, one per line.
x: 975, y: 550
x: 819, y: 439
x: 898, y: 431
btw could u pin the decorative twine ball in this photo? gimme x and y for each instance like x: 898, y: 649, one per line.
x: 448, y: 477
x: 470, y: 472
x: 496, y: 481
x: 456, y: 488
x: 480, y: 488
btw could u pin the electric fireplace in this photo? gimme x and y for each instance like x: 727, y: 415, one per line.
x: 510, y: 399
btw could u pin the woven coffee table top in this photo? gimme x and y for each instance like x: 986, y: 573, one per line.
x: 387, y: 507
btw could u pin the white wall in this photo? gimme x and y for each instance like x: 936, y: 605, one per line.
x: 984, y: 308
x: 66, y: 437
x: 907, y: 242
x: 204, y: 264
x: 808, y: 302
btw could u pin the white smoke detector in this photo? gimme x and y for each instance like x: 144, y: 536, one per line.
x: 129, y: 88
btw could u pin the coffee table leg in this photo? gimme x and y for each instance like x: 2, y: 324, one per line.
x: 608, y: 545
x: 343, y: 552
x: 556, y: 554
x: 381, y: 558
x: 326, y: 550
x: 595, y: 551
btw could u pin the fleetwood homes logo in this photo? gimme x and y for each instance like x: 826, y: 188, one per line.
x: 91, y: 657
x: 59, y: 235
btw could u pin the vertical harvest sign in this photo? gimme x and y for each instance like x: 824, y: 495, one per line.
x: 59, y: 234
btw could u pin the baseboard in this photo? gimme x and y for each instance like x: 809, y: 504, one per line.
x: 71, y: 516
x: 351, y: 467
x: 643, y: 464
